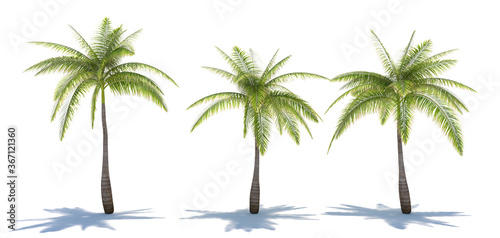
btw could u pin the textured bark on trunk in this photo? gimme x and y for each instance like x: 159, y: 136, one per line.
x: 107, y: 196
x: 255, y: 191
x: 404, y: 192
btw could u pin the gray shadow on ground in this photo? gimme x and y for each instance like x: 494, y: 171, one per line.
x: 394, y: 217
x: 69, y: 217
x: 243, y: 220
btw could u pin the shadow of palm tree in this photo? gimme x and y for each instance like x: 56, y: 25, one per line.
x: 70, y: 217
x: 394, y: 217
x: 243, y: 220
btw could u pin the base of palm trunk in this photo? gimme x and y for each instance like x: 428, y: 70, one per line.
x: 109, y: 209
x: 404, y: 191
x: 406, y: 210
x: 255, y: 198
x: 255, y: 189
x: 107, y: 195
x: 404, y: 198
x: 107, y: 202
x: 406, y: 206
x: 254, y: 209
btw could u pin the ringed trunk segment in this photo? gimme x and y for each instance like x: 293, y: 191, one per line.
x: 255, y: 190
x: 106, y: 194
x: 404, y: 192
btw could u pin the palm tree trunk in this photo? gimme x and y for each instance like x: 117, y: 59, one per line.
x: 255, y: 191
x: 404, y: 192
x: 107, y: 196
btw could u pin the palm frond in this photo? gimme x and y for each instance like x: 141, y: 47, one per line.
x: 406, y: 51
x: 295, y: 112
x: 278, y: 87
x: 217, y: 96
x: 66, y: 86
x: 404, y: 119
x: 72, y: 105
x: 218, y: 106
x: 286, y: 121
x: 247, y: 118
x: 223, y: 73
x: 60, y: 48
x: 234, y: 66
x: 386, y: 110
x: 418, y: 53
x: 101, y: 38
x: 298, y: 104
x: 431, y: 69
x: 291, y: 76
x: 133, y: 77
x: 136, y: 66
x: 262, y: 130
x: 357, y: 78
x: 84, y: 44
x: 129, y: 40
x: 387, y: 62
x: 270, y: 65
x: 357, y: 90
x: 273, y: 70
x: 360, y: 106
x: 443, y: 116
x: 243, y: 60
x: 113, y: 41
x: 447, y: 82
x: 62, y: 64
x: 444, y: 95
x: 439, y: 55
x: 138, y: 85
x: 117, y: 54
x: 93, y: 104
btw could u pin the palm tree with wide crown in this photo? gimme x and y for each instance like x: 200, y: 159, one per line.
x: 97, y: 68
x: 264, y: 100
x: 412, y: 84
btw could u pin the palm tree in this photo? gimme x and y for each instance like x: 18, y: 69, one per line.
x: 264, y: 101
x: 98, y: 68
x: 409, y: 85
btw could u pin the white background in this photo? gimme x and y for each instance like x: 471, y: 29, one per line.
x: 157, y: 164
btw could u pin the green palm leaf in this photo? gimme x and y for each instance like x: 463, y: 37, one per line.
x: 216, y: 96
x: 220, y: 105
x: 387, y: 62
x: 72, y: 105
x: 135, y: 66
x: 93, y: 104
x: 362, y: 105
x: 66, y: 86
x: 444, y: 117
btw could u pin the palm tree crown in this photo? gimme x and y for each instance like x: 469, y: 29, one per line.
x: 260, y: 93
x: 411, y: 84
x: 96, y: 68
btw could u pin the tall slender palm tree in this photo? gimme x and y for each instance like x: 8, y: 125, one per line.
x: 264, y: 101
x: 96, y: 68
x: 409, y: 85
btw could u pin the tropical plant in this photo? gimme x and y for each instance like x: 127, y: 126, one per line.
x: 412, y: 84
x: 96, y: 68
x: 264, y: 101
